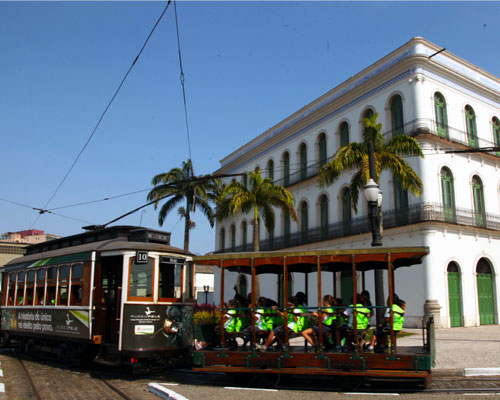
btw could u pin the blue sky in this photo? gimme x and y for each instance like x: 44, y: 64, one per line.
x: 247, y: 66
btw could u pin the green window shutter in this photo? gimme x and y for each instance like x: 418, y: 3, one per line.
x: 286, y: 169
x: 441, y: 117
x: 448, y: 192
x: 344, y: 134
x: 477, y: 188
x: 244, y: 235
x: 470, y: 119
x: 270, y: 169
x: 286, y: 226
x: 322, y: 150
x: 233, y: 237
x: 303, y: 161
x: 454, y: 299
x: 222, y: 239
x: 401, y: 203
x: 346, y: 211
x: 496, y: 133
x: 304, y: 221
x: 397, y: 116
x: 324, y: 216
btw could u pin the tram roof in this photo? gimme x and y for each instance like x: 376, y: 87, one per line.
x: 83, y: 252
x: 307, y: 261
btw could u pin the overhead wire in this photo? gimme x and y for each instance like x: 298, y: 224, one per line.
x: 105, y: 111
x: 182, y: 78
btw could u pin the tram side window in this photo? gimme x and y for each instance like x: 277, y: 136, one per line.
x: 170, y: 281
x: 40, y: 287
x: 50, y: 298
x: 12, y: 289
x: 63, y: 285
x: 20, y: 289
x: 75, y: 297
x: 141, y: 280
x: 30, y: 288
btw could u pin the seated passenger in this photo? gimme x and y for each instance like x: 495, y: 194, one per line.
x: 295, y: 323
x: 379, y: 339
x: 328, y: 322
x: 232, y: 323
x: 263, y: 323
x: 362, y: 320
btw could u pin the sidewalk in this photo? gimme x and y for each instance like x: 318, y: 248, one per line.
x: 459, y: 349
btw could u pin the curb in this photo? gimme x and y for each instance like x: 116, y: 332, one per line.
x: 161, y: 391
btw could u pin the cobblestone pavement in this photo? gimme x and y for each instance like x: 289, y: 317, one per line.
x: 56, y: 382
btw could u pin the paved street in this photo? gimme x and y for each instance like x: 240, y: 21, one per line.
x: 458, y: 349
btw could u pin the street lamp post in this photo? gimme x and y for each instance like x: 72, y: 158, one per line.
x: 374, y: 197
x: 206, y: 288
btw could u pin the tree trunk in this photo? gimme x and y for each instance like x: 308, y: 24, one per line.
x: 187, y: 224
x: 256, y: 248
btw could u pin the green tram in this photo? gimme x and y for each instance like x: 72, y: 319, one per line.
x: 118, y: 296
x: 356, y: 365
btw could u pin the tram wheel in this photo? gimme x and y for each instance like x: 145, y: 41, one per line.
x: 352, y: 382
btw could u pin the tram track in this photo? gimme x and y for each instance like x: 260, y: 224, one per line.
x: 30, y: 379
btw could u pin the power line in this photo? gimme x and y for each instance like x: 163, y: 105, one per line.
x: 105, y: 111
x: 182, y: 80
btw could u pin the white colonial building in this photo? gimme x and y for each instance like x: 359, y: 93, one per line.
x: 446, y: 103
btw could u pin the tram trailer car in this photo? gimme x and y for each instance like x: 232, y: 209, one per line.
x: 120, y: 296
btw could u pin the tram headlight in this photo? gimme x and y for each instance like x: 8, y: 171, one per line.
x: 170, y: 326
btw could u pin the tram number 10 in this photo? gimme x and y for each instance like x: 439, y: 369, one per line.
x: 141, y: 257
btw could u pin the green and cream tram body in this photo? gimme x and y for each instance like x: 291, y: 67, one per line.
x: 120, y: 295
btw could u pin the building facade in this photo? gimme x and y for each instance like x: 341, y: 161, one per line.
x: 447, y: 104
x: 30, y: 236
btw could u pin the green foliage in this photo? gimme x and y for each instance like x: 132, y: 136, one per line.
x: 259, y: 197
x: 388, y: 156
x: 180, y: 185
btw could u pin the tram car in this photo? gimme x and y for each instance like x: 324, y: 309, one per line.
x: 349, y: 365
x: 120, y: 296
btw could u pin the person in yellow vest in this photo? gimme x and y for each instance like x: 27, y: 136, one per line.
x: 232, y: 323
x: 362, y: 320
x: 379, y: 339
x: 328, y: 321
x: 295, y: 323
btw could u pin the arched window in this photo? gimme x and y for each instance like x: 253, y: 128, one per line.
x: 244, y: 235
x: 286, y: 169
x: 441, y: 116
x: 479, y: 211
x: 303, y: 161
x: 346, y: 211
x: 270, y: 169
x: 245, y: 180
x: 222, y: 239
x: 470, y: 121
x: 397, y: 118
x: 496, y: 132
x: 368, y: 113
x: 304, y: 221
x: 344, y: 134
x: 448, y: 192
x: 400, y: 202
x: 233, y: 237
x: 322, y: 149
x: 286, y: 227
x: 323, y: 204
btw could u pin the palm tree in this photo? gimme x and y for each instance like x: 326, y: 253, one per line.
x: 259, y: 197
x: 388, y: 156
x: 180, y: 184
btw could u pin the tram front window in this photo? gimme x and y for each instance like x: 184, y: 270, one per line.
x: 141, y: 280
x: 170, y: 281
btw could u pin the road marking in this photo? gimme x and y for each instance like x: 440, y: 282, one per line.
x: 244, y: 388
x: 1, y: 372
x: 481, y: 371
x: 481, y: 394
x: 2, y: 387
x: 373, y: 394
x: 161, y: 391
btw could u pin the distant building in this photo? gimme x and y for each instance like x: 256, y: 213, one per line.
x: 447, y: 104
x: 9, y: 251
x: 30, y: 236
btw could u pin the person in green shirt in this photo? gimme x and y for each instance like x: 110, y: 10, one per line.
x: 379, y: 339
x: 328, y: 319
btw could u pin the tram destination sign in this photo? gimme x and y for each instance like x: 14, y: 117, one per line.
x: 171, y: 260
